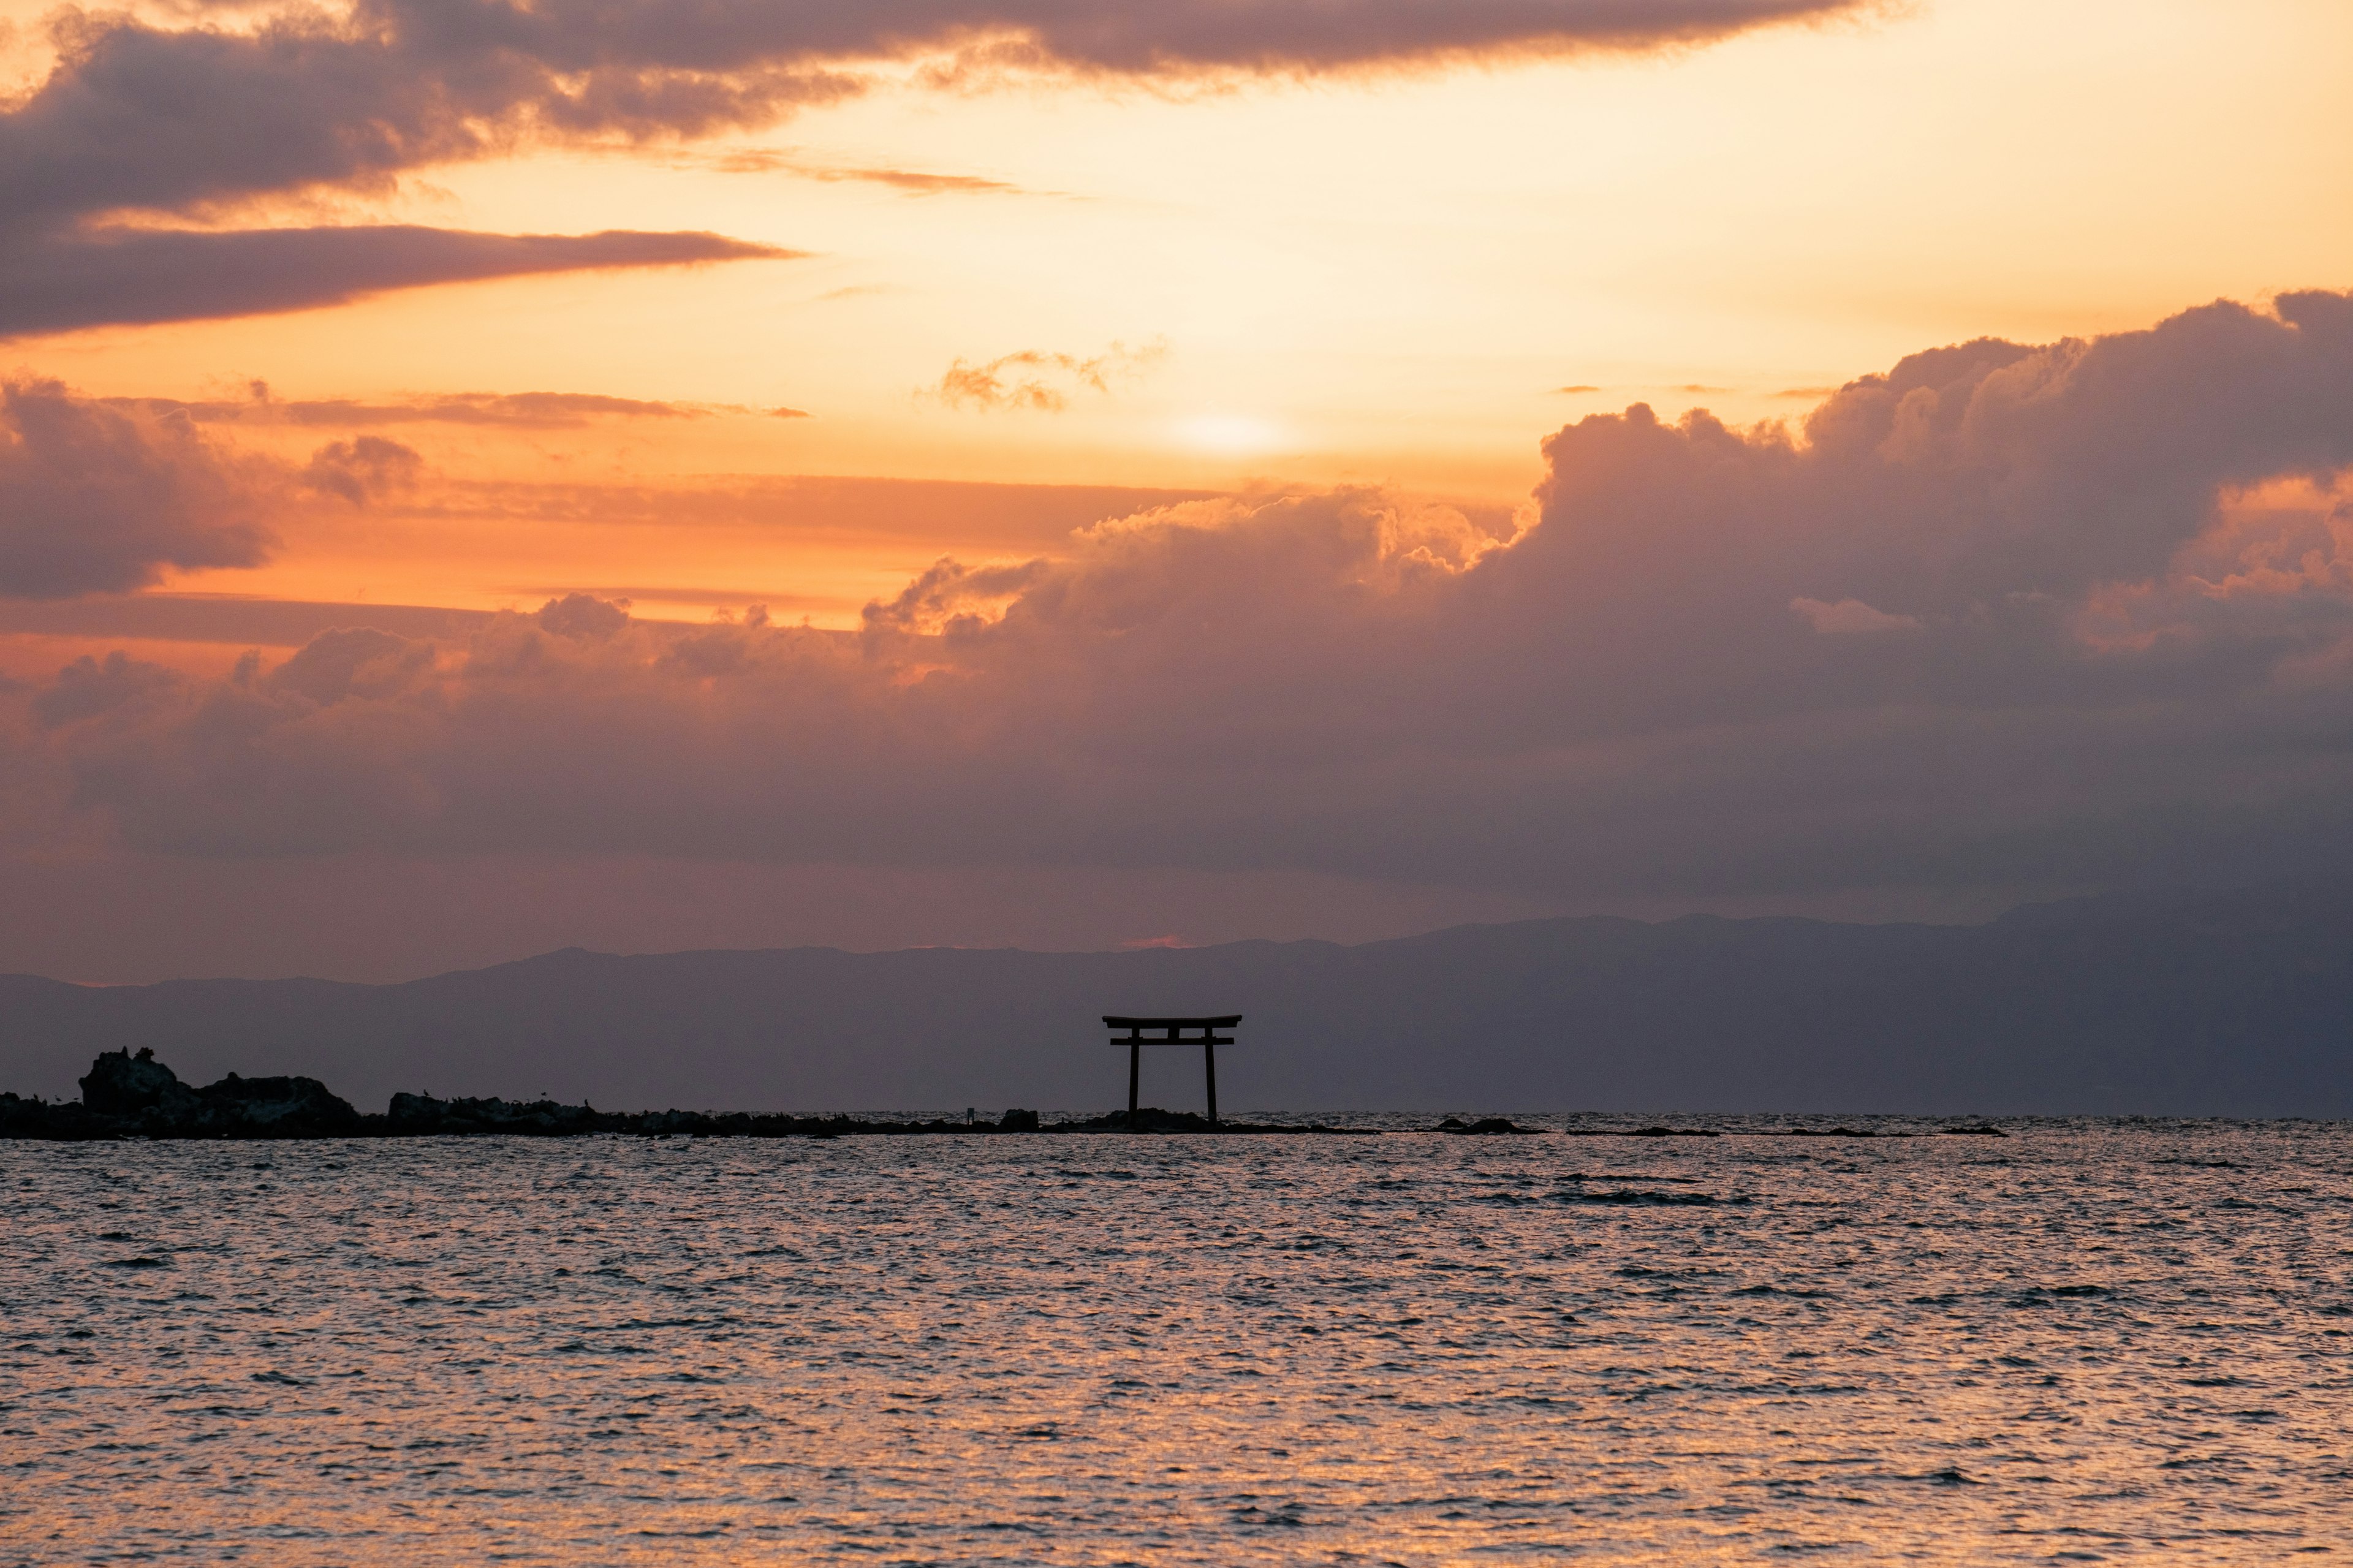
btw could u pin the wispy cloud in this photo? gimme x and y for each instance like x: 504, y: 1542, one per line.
x: 915, y: 182
x: 520, y: 410
x: 1041, y: 381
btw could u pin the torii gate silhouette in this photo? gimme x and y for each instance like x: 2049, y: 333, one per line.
x: 1201, y: 1032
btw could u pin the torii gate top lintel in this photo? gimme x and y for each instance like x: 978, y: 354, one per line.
x: 1174, y: 1029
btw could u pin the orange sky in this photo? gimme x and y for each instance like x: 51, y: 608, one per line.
x: 1385, y: 278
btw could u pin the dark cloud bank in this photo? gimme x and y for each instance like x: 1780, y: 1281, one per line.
x: 138, y: 121
x: 2006, y: 619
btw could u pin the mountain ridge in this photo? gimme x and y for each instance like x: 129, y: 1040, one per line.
x: 2202, y: 1004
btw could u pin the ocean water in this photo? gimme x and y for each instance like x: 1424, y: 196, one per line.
x: 2088, y: 1341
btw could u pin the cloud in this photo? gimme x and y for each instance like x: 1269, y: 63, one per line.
x: 99, y: 500
x: 2004, y: 616
x: 520, y: 410
x: 584, y: 616
x: 89, y: 687
x: 364, y: 468
x: 1849, y: 616
x: 1039, y: 382
x: 915, y: 182
x: 51, y: 282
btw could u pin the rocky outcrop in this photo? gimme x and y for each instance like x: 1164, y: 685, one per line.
x: 280, y: 1108
x: 120, y: 1084
x: 124, y: 1095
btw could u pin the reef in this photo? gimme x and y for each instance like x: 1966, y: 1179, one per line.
x: 127, y: 1096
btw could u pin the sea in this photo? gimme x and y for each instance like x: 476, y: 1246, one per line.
x: 2085, y: 1342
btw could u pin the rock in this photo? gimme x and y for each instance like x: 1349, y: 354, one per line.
x: 1486, y: 1126
x: 277, y: 1107
x: 140, y: 1086
x: 138, y: 1096
x: 421, y: 1115
x: 1147, y: 1118
x: 1018, y: 1121
x: 66, y: 1121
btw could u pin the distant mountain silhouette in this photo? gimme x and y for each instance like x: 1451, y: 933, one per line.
x: 2231, y: 1005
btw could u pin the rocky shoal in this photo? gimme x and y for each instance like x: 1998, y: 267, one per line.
x: 127, y: 1096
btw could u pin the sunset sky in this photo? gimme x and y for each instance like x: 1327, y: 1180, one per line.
x: 477, y: 478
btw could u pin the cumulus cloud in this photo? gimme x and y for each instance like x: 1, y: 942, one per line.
x: 364, y: 468
x: 99, y: 500
x: 255, y: 102
x: 2005, y: 615
x: 89, y: 687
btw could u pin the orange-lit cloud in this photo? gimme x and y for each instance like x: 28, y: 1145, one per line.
x: 915, y: 182
x: 1040, y: 381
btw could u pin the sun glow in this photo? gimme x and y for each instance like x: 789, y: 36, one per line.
x: 1231, y: 435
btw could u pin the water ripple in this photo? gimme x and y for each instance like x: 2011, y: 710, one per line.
x: 2093, y: 1342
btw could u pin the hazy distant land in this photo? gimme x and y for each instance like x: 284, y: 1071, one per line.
x: 2221, y: 1004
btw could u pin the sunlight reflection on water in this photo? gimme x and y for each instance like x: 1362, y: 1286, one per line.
x: 2092, y: 1340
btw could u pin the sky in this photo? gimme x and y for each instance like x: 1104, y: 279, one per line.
x: 476, y: 477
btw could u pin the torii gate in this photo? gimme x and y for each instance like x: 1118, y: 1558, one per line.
x: 1201, y: 1032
